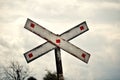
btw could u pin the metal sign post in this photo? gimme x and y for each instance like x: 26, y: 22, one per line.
x: 59, y: 64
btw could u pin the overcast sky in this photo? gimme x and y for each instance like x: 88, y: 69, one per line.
x: 102, y: 40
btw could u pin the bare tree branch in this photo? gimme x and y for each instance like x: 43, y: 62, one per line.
x: 15, y: 71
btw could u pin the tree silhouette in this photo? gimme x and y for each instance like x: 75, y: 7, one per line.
x: 15, y: 71
x: 31, y: 78
x: 50, y: 76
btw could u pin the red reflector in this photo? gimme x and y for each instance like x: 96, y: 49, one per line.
x: 81, y: 27
x: 32, y: 25
x: 57, y: 40
x: 83, y: 55
x: 30, y: 55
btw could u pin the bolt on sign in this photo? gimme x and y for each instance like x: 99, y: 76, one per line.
x: 54, y: 40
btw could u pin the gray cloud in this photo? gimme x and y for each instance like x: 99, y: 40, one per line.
x: 3, y: 43
x: 104, y: 12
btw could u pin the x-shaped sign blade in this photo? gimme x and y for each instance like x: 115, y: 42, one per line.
x: 54, y: 40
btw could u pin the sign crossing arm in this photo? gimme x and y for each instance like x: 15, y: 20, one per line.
x: 46, y: 47
x: 59, y: 41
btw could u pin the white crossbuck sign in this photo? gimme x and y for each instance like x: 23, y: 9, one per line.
x: 54, y: 41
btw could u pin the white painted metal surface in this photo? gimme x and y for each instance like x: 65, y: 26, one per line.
x: 60, y: 41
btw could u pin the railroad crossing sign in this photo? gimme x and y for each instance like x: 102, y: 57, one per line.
x: 54, y: 41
